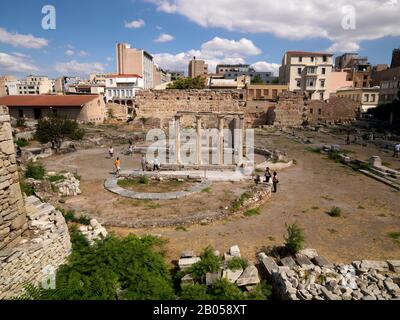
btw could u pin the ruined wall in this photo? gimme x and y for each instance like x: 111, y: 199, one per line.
x: 33, y: 235
x: 164, y: 104
x: 13, y: 219
x: 335, y: 110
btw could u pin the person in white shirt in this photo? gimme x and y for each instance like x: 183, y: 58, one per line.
x: 396, y: 153
x: 156, y: 165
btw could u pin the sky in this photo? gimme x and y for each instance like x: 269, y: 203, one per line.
x: 257, y: 32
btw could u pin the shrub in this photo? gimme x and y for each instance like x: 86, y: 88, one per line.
x: 195, y: 292
x: 69, y: 216
x: 35, y: 171
x: 237, y: 263
x: 22, y: 143
x: 224, y: 290
x: 335, y: 212
x: 295, y: 238
x: 209, y: 263
x: 206, y: 190
x: 21, y: 123
x: 26, y: 188
x: 252, y: 212
x: 187, y: 83
x: 84, y: 219
x: 238, y: 203
x: 144, y: 180
x: 56, y: 178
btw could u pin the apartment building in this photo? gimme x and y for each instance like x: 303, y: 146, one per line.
x: 135, y: 61
x: 160, y: 76
x: 389, y: 91
x: 307, y: 71
x: 368, y: 97
x: 5, y: 83
x: 34, y: 85
x: 122, y: 88
x: 197, y: 68
x: 265, y: 91
x: 176, y: 75
x: 232, y: 71
x: 358, y: 69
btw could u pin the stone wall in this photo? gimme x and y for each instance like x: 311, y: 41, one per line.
x: 13, y: 219
x: 335, y: 110
x: 165, y: 104
x: 45, y: 244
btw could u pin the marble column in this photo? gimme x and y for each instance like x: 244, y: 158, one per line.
x: 221, y: 120
x: 199, y: 140
x: 178, y: 139
x: 241, y: 139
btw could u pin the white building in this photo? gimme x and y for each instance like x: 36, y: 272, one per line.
x: 307, y: 71
x: 122, y: 88
x: 34, y: 85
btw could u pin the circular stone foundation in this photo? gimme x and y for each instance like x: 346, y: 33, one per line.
x: 111, y: 184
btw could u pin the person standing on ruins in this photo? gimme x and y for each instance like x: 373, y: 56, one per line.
x: 156, y: 165
x: 275, y: 182
x: 143, y: 162
x: 396, y: 153
x: 267, y: 175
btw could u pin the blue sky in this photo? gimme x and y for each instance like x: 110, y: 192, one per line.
x: 218, y: 30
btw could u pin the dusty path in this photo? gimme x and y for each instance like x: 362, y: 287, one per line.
x: 307, y: 190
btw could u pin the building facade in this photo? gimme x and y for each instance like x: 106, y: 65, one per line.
x: 307, y: 71
x: 34, y: 85
x: 389, y: 91
x: 135, y: 61
x: 160, y: 76
x: 176, y: 75
x: 358, y: 69
x: 122, y: 88
x: 265, y: 91
x: 83, y: 108
x: 197, y: 68
x: 368, y: 97
x: 395, y: 58
x: 232, y: 71
x: 338, y: 81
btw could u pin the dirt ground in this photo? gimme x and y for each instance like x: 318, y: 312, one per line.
x: 370, y: 209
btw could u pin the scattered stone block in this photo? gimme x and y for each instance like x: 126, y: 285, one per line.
x: 322, y: 262
x: 248, y: 277
x: 186, y: 263
x: 377, y: 265
x: 232, y: 275
x: 289, y: 262
x: 235, y: 251
x: 187, y: 280
x: 269, y: 265
x: 302, y: 260
x: 394, y: 265
x: 187, y: 254
x: 212, y: 277
x: 309, y: 253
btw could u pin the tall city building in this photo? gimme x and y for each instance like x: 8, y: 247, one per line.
x: 135, y: 61
x: 197, y: 68
x: 358, y: 69
x: 307, y: 72
x: 395, y: 58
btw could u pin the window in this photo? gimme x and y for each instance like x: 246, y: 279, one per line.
x: 323, y: 70
x: 311, y: 111
x: 300, y: 59
x: 298, y: 83
x: 299, y: 71
x: 321, y: 97
x: 366, y: 98
x: 21, y: 113
x: 111, y: 81
x: 312, y: 59
x: 322, y: 83
x: 372, y: 97
x: 324, y: 58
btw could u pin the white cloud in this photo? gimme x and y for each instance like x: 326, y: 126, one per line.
x: 293, y: 19
x: 83, y: 53
x: 215, y: 51
x: 135, y: 24
x: 15, y: 63
x: 109, y: 59
x: 76, y: 68
x: 264, y: 66
x: 165, y: 37
x: 22, y: 40
x: 70, y: 52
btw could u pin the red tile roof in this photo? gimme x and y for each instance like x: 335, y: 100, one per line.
x: 46, y: 100
x: 305, y: 53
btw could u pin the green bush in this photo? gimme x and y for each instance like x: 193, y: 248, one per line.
x: 195, y: 292
x: 128, y: 268
x: 238, y: 203
x: 187, y: 83
x: 295, y: 239
x: 69, y: 216
x: 224, y: 290
x: 84, y: 219
x: 22, y: 143
x: 144, y: 180
x: 21, y: 123
x: 56, y: 178
x: 335, y: 212
x: 252, y: 212
x: 209, y: 263
x: 237, y: 263
x: 26, y: 188
x: 35, y: 171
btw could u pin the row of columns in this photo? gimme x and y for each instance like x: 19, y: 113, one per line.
x: 239, y: 124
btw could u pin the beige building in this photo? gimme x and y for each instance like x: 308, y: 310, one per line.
x: 219, y: 82
x: 339, y: 80
x: 160, y: 76
x: 197, y: 68
x: 368, y: 97
x: 389, y: 91
x: 265, y: 91
x: 5, y: 81
x: 34, y: 85
x: 83, y: 108
x: 135, y: 61
x: 307, y: 71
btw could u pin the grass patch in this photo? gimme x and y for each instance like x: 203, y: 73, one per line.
x: 314, y: 150
x: 335, y: 212
x: 395, y: 236
x: 22, y: 143
x: 56, y: 178
x: 26, y: 188
x: 35, y: 171
x: 333, y: 231
x: 315, y: 208
x: 252, y: 212
x: 271, y: 238
x: 237, y: 263
x: 180, y: 228
x: 361, y: 207
x: 152, y: 206
x: 238, y: 203
x: 357, y: 165
x: 206, y: 190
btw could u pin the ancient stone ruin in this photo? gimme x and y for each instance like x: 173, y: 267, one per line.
x: 34, y: 238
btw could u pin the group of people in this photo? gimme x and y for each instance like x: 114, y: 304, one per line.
x: 268, y: 176
x: 131, y: 148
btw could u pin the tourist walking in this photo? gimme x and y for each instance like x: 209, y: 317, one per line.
x: 267, y: 175
x: 117, y: 165
x: 143, y: 162
x: 111, y: 152
x: 156, y: 165
x: 275, y: 182
x: 130, y: 149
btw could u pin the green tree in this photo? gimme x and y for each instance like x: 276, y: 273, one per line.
x: 56, y: 129
x: 195, y: 292
x: 188, y: 83
x: 224, y: 290
x: 209, y: 263
x: 295, y: 238
x: 257, y: 79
